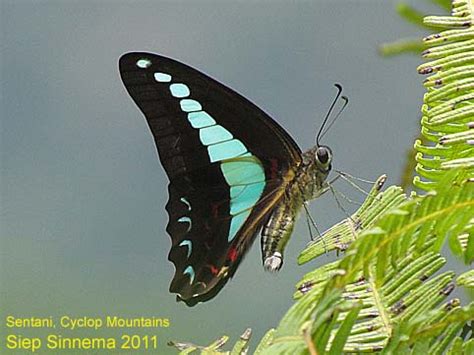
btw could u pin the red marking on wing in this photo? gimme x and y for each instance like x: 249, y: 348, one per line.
x: 232, y: 254
x: 214, y: 270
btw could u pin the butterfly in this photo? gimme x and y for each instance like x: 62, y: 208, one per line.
x: 233, y: 172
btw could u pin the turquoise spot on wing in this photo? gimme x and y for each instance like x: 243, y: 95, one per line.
x: 247, y: 198
x: 186, y: 220
x: 189, y: 105
x: 187, y: 243
x: 236, y: 191
x: 236, y: 223
x: 162, y: 77
x: 200, y: 119
x: 243, y: 171
x: 143, y: 63
x: 185, y: 201
x: 226, y: 150
x: 246, y: 178
x: 190, y: 271
x: 179, y: 90
x: 214, y: 134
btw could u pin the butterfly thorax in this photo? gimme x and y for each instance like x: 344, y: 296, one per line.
x: 309, y: 183
x: 311, y: 175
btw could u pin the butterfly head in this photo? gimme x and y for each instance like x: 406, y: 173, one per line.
x: 317, y: 163
x: 323, y: 158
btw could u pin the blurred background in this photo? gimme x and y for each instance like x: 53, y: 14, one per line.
x: 82, y: 192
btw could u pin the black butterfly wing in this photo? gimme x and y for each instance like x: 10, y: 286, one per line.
x: 228, y: 163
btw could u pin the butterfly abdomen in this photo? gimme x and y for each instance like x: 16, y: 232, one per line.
x: 277, y: 232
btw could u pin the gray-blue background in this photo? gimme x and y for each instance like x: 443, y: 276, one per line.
x: 82, y: 192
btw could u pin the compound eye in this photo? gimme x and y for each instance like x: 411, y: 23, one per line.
x: 322, y: 154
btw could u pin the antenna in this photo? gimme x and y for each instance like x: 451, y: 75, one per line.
x: 346, y: 101
x: 328, y: 114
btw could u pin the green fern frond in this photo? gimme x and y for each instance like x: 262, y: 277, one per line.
x: 466, y: 279
x: 342, y: 234
x: 434, y: 217
x: 448, y: 110
x: 461, y: 348
x: 265, y: 342
x: 240, y: 347
x: 465, y: 242
x: 405, y: 290
x: 403, y: 294
x: 388, y: 275
x: 430, y: 333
